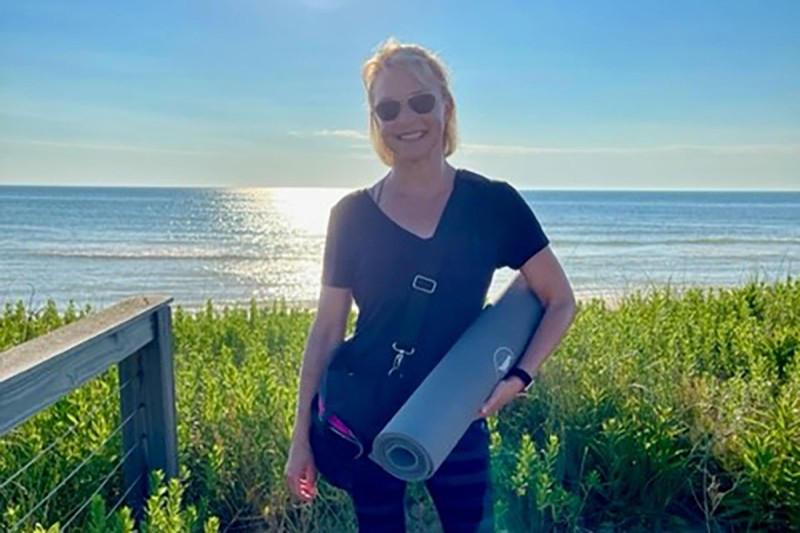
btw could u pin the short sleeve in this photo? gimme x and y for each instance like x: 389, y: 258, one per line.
x: 520, y: 236
x: 338, y: 262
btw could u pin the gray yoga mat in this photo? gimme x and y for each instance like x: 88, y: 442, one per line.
x: 422, y: 433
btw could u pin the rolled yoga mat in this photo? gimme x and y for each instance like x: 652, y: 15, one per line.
x: 422, y: 433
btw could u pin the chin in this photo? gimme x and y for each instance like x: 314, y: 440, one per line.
x: 412, y: 158
x: 411, y: 154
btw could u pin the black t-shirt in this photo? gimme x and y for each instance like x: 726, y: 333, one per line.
x: 485, y: 225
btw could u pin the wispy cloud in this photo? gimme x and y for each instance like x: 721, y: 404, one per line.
x: 345, y: 134
x: 739, y: 149
x: 335, y: 133
x: 106, y: 147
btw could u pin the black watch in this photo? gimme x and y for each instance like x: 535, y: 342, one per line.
x: 523, y: 376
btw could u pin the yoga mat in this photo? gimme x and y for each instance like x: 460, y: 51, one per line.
x: 416, y: 441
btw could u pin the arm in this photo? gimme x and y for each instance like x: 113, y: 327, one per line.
x: 543, y: 274
x: 325, y: 334
x: 545, y: 277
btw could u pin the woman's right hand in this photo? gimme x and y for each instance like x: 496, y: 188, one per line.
x: 300, y: 472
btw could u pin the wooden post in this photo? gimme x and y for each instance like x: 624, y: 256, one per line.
x: 134, y: 469
x: 151, y: 396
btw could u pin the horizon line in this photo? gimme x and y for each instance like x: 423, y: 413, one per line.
x: 234, y: 187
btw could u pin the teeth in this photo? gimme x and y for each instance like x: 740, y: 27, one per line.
x: 411, y: 136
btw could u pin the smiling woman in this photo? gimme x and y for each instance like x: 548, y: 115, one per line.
x: 416, y: 252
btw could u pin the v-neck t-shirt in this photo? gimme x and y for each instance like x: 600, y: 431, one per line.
x: 485, y: 225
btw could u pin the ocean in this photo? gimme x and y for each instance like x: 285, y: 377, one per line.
x: 99, y: 245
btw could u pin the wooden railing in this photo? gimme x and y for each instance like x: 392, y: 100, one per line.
x: 136, y: 335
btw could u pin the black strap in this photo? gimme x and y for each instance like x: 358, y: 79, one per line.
x: 422, y: 287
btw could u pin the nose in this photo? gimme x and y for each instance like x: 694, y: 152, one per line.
x: 405, y: 113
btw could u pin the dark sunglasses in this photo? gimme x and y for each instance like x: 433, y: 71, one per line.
x: 421, y: 104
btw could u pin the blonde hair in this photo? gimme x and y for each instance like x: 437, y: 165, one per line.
x: 422, y: 61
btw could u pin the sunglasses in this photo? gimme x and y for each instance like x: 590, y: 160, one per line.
x: 422, y: 104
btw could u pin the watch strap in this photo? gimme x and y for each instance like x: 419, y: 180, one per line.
x: 523, y: 376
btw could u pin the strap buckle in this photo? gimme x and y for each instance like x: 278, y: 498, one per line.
x: 398, y: 357
x: 424, y: 284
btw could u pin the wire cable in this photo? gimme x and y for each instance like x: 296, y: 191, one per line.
x: 75, y: 471
x: 75, y: 514
x: 124, y: 495
x: 91, y: 413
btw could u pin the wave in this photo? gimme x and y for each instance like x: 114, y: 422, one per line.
x: 701, y: 241
x: 178, y: 254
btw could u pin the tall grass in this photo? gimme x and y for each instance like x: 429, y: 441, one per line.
x: 669, y: 411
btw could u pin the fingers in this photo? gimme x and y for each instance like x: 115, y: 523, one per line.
x: 302, y: 484
x: 308, y: 483
x: 502, y: 394
x: 301, y: 488
x: 490, y: 406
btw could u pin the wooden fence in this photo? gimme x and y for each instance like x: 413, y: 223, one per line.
x: 136, y: 335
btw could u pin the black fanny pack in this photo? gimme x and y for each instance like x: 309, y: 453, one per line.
x: 363, y: 391
x: 359, y: 394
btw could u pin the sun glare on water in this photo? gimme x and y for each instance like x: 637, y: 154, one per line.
x: 294, y: 210
x: 305, y: 210
x: 278, y: 234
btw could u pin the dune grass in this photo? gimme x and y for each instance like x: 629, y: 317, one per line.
x: 670, y: 411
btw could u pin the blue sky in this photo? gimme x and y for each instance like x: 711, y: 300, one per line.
x: 589, y: 95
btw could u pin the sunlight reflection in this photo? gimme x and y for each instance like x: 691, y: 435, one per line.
x: 274, y: 241
x: 306, y: 210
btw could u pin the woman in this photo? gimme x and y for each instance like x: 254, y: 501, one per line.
x: 381, y: 238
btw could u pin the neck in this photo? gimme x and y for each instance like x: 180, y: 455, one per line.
x: 420, y: 177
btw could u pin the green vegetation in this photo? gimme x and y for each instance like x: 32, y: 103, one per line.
x: 670, y: 411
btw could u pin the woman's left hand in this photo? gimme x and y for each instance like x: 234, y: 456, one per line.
x: 505, y: 391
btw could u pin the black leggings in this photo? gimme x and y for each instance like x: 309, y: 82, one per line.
x: 460, y: 489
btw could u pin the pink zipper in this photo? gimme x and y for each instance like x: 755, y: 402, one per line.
x: 336, y: 422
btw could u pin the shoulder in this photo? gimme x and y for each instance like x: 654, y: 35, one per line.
x: 351, y: 204
x: 485, y: 188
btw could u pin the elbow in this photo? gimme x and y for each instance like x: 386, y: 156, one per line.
x: 325, y: 338
x: 325, y: 334
x: 572, y: 307
x: 564, y: 305
x: 570, y: 303
x: 568, y: 307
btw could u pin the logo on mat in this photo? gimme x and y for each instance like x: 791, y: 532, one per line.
x: 503, y: 358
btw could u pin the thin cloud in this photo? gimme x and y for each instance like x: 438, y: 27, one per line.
x: 106, y: 147
x: 353, y: 135
x: 344, y: 134
x: 741, y: 149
